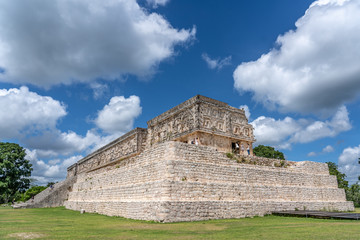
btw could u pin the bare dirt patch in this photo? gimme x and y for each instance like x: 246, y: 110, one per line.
x: 27, y: 235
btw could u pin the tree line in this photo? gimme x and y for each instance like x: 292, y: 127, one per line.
x: 352, y: 191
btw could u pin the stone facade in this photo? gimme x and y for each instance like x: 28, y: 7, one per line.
x: 203, y: 121
x: 175, y: 181
x: 130, y: 144
x: 178, y: 170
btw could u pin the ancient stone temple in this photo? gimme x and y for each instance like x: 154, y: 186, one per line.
x: 203, y: 121
x: 193, y: 162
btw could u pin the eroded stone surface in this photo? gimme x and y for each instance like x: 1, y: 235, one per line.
x: 174, y: 181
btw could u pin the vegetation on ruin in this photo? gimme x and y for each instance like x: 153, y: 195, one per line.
x: 31, y: 192
x: 353, y: 191
x: 254, y: 161
x: 268, y: 152
x: 282, y: 163
x: 231, y: 155
x: 59, y: 223
x: 333, y: 170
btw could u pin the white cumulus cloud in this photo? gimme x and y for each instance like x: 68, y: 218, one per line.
x: 56, y: 146
x: 315, y: 67
x: 269, y: 131
x: 319, y: 129
x: 119, y: 114
x: 23, y: 111
x: 54, y: 143
x: 284, y: 132
x: 61, y: 41
x: 33, y: 120
x: 348, y: 163
x: 51, y: 171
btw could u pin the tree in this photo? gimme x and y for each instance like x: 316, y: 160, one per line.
x: 353, y: 194
x: 32, y: 192
x: 268, y: 152
x: 359, y: 175
x: 49, y: 184
x: 15, y: 171
x: 333, y: 170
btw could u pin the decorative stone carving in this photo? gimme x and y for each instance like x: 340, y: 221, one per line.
x: 130, y: 143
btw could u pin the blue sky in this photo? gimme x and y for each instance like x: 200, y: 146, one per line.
x: 78, y: 74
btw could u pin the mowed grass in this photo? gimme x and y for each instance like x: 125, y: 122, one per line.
x: 59, y: 223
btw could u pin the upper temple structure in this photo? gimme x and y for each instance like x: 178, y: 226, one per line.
x: 204, y: 121
x: 199, y: 120
x: 193, y: 162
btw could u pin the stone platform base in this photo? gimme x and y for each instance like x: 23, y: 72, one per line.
x: 175, y: 181
x: 197, y: 211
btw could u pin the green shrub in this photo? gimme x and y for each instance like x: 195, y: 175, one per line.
x: 230, y: 155
x: 282, y: 163
x: 32, y: 192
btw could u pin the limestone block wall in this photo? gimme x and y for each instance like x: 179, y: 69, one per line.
x: 133, y: 188
x: 174, y: 181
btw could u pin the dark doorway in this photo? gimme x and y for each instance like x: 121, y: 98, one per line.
x: 235, y: 147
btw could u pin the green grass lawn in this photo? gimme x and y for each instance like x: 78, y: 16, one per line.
x: 59, y: 223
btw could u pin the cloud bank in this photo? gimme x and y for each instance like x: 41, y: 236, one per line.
x: 61, y: 41
x: 282, y: 133
x: 23, y: 111
x: 33, y: 119
x: 119, y: 114
x: 315, y: 68
x: 51, y: 171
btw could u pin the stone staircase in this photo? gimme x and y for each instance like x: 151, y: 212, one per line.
x: 50, y: 197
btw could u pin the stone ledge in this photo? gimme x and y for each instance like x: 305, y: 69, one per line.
x: 177, y: 211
